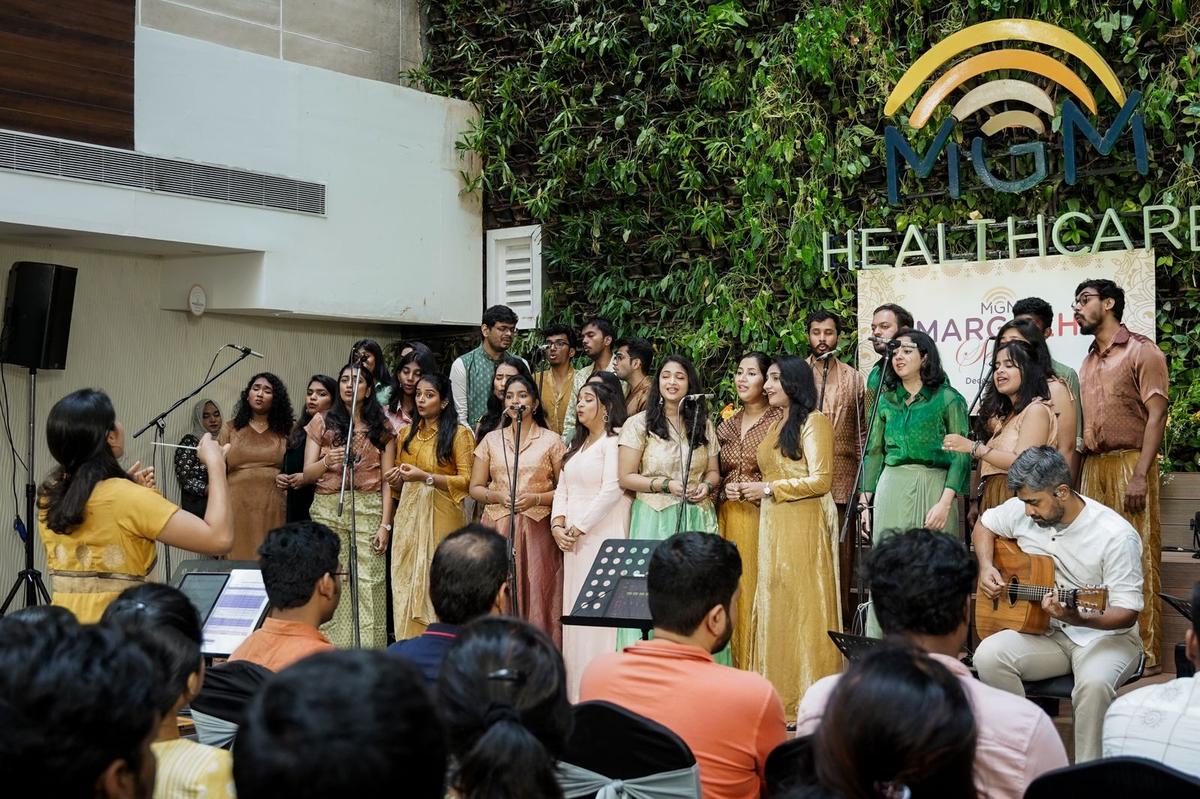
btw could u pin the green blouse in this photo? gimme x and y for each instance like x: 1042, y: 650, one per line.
x: 905, y: 433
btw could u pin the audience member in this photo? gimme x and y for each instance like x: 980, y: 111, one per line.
x: 503, y: 697
x: 299, y: 563
x: 77, y: 712
x: 730, y: 719
x: 1161, y: 722
x: 921, y: 582
x: 467, y: 579
x: 347, y: 723
x: 898, y: 724
x: 165, y: 624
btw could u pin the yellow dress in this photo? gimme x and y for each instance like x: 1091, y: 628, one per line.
x: 423, y: 518
x: 796, y: 603
x: 113, y: 549
x: 188, y: 770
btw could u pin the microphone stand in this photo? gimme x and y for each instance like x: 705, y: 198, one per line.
x: 687, y: 466
x: 512, y: 518
x: 991, y: 367
x: 160, y: 431
x: 860, y: 586
x: 827, y: 357
x: 347, y: 473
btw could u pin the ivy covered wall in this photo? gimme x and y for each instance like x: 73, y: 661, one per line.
x: 684, y: 157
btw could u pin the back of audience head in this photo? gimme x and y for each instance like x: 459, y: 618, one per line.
x: 163, y: 621
x: 691, y: 584
x: 502, y: 694
x: 1192, y: 637
x: 468, y: 575
x: 897, y: 719
x: 348, y: 723
x: 77, y: 712
x: 299, y: 564
x: 920, y: 582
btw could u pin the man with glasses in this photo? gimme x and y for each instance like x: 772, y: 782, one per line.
x: 471, y: 374
x: 1123, y: 383
x: 555, y: 381
x: 633, y: 362
x: 299, y: 571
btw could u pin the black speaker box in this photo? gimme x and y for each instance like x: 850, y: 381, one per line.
x: 37, y: 315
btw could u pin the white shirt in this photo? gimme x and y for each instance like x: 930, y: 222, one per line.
x: 458, y: 389
x: 1159, y: 722
x: 1099, y: 548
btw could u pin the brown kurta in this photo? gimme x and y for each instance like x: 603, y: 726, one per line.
x: 843, y: 402
x: 255, y: 503
x: 556, y: 397
x: 635, y: 400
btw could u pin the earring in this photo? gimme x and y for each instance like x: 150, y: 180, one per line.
x: 606, y: 418
x: 660, y: 402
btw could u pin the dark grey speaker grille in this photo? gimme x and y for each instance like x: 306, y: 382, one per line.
x: 23, y: 153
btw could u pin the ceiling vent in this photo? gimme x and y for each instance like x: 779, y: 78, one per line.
x: 40, y: 155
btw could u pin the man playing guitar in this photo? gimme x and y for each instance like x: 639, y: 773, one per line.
x: 1090, y: 544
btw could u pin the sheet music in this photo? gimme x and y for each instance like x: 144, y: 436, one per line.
x: 236, y: 613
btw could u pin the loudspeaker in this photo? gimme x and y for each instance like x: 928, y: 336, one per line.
x: 37, y: 315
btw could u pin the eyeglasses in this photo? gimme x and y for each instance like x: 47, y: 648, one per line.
x: 558, y: 345
x: 1083, y: 299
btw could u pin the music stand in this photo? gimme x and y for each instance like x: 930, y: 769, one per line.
x: 614, y: 593
x: 853, y: 647
x: 1181, y: 605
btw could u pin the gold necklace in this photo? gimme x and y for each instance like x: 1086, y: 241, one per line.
x: 432, y: 433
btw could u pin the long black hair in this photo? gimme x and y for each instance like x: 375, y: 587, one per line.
x: 495, y: 406
x: 538, y: 414
x: 614, y: 416
x: 605, y: 378
x: 932, y: 373
x: 1033, y: 336
x: 447, y: 419
x: 425, y: 360
x: 280, y: 417
x: 796, y: 378
x: 381, y: 374
x: 503, y: 697
x: 297, y: 436
x: 996, y: 406
x: 164, y: 622
x: 337, y: 418
x: 77, y: 435
x: 656, y: 412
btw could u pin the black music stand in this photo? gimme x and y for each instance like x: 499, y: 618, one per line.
x: 852, y: 647
x: 614, y: 593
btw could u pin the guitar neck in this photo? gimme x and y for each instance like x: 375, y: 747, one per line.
x: 1034, y: 593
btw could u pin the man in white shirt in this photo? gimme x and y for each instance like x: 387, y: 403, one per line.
x: 1161, y: 722
x: 920, y: 583
x: 471, y: 373
x: 1090, y: 544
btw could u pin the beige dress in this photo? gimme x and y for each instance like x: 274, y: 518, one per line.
x: 256, y: 503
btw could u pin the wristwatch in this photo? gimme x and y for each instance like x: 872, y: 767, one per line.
x: 766, y: 489
x: 387, y: 527
x: 429, y: 480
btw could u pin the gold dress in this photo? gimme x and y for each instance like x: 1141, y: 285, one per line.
x: 423, y: 518
x: 738, y: 519
x: 797, y: 598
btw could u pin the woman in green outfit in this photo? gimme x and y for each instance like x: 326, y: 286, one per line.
x: 652, y: 451
x: 910, y: 480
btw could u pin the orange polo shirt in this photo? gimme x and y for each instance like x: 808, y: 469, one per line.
x: 730, y: 719
x: 278, y: 644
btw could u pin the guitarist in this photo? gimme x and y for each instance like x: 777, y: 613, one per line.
x: 1090, y: 544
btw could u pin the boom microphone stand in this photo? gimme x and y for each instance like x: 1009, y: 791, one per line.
x: 352, y: 554
x: 514, y: 601
x: 29, y: 577
x: 858, y: 507
x: 687, y: 466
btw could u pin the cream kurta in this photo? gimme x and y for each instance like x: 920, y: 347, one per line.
x: 796, y: 603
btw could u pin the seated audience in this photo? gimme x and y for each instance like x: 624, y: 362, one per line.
x: 898, y: 724
x: 1161, y: 722
x: 467, y: 579
x: 921, y: 582
x: 165, y: 624
x: 730, y: 719
x: 502, y: 695
x: 77, y: 712
x: 299, y: 563
x: 346, y: 723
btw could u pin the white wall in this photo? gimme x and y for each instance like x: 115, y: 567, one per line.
x: 145, y: 358
x: 398, y: 241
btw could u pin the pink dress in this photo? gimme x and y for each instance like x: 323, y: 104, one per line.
x: 590, y: 498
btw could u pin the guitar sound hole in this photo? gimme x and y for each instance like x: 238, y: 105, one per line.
x: 1013, y: 585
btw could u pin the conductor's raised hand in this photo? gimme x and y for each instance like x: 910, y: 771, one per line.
x: 211, y: 454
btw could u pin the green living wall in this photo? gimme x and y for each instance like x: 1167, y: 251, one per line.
x: 684, y: 157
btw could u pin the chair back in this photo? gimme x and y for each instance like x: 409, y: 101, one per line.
x: 218, y: 709
x: 1113, y: 776
x: 789, y: 766
x: 622, y: 747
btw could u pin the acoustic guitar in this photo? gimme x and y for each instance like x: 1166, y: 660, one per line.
x: 1027, y: 579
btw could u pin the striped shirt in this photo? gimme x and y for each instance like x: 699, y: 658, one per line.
x: 187, y: 770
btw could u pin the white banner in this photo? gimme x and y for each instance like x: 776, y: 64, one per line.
x: 960, y: 305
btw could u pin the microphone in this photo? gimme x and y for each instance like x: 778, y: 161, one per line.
x: 694, y: 397
x: 829, y: 354
x: 890, y: 343
x: 520, y: 409
x: 245, y: 350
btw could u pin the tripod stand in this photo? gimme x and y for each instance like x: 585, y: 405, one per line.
x: 29, y: 577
